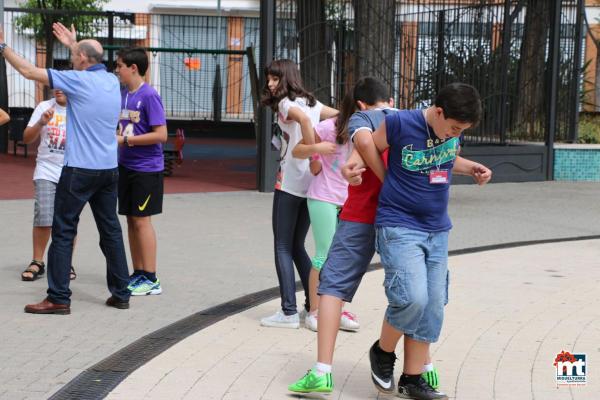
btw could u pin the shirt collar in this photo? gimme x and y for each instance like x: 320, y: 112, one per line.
x: 97, y: 67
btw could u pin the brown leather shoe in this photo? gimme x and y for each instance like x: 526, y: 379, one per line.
x: 47, y: 307
x: 112, y: 301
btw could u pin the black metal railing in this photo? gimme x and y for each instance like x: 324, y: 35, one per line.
x: 502, y: 48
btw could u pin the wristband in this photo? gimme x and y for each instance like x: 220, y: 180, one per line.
x: 315, y: 157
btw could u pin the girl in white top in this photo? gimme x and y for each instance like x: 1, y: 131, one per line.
x: 48, y: 123
x: 297, y: 113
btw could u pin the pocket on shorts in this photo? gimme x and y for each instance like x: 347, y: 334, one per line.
x: 395, y: 289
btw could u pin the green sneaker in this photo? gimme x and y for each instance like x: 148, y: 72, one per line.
x: 432, y: 378
x: 144, y: 286
x: 311, y: 382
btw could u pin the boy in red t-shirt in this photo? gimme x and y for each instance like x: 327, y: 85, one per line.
x: 353, y: 245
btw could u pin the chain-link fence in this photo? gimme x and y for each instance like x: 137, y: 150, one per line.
x: 416, y: 46
x: 202, y: 66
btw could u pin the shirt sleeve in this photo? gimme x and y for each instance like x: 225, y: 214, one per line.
x: 283, y: 108
x: 358, y: 121
x: 69, y: 82
x: 326, y: 130
x: 155, y: 111
x: 392, y: 128
x: 37, y: 113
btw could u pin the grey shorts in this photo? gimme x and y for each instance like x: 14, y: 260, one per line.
x: 349, y: 256
x: 43, y: 209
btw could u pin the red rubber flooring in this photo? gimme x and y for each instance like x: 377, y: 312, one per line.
x: 210, y: 165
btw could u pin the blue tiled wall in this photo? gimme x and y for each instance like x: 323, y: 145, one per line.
x: 577, y: 164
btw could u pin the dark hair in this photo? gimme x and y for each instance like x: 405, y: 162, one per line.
x: 347, y: 108
x: 93, y: 55
x: 290, y: 84
x: 371, y: 91
x: 135, y: 55
x: 460, y: 102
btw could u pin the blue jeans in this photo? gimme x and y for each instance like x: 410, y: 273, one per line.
x: 76, y: 187
x: 416, y: 280
x: 290, y: 226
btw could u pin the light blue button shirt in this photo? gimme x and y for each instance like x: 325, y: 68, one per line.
x: 93, y: 107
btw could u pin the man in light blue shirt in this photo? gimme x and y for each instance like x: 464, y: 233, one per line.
x: 90, y: 173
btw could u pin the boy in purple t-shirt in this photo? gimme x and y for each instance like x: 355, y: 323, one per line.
x: 142, y: 130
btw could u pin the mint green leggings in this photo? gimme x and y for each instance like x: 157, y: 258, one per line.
x: 323, y: 221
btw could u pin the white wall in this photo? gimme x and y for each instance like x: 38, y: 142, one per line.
x: 205, y: 7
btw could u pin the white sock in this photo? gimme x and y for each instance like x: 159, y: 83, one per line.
x: 322, y: 369
x: 428, y: 367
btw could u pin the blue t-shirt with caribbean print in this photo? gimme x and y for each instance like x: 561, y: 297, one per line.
x: 407, y: 197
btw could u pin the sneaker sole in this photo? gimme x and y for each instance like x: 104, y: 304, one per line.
x: 407, y: 396
x: 149, y: 292
x: 350, y: 329
x: 278, y: 325
x: 391, y: 390
x: 325, y: 391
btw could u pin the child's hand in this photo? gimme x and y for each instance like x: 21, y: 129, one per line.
x: 47, y: 116
x: 353, y: 174
x: 481, y: 174
x: 315, y: 167
x: 326, y: 148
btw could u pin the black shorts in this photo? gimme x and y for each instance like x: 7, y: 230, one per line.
x: 140, y: 193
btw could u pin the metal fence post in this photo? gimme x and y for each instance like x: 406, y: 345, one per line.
x: 111, y: 40
x: 3, y: 91
x: 267, y: 158
x: 554, y: 72
x: 576, y: 80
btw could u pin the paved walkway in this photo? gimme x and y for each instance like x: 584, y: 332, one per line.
x: 511, y: 311
x: 204, y: 241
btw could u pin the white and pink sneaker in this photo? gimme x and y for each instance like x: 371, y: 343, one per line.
x: 349, y: 322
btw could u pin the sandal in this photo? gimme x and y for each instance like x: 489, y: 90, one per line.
x: 72, y: 273
x: 34, y: 273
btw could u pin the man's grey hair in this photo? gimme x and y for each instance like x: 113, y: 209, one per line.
x: 93, y: 55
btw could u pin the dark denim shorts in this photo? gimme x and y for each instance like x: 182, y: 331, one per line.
x: 349, y: 257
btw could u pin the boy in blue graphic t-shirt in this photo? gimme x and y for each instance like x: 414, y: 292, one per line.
x: 412, y: 229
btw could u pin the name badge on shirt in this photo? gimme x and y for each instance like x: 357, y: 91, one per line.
x: 438, y: 177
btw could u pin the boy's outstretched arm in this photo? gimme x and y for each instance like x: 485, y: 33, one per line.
x: 370, y: 146
x: 480, y: 173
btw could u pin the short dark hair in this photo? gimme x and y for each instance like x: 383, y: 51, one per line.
x: 135, y: 55
x: 460, y: 102
x: 93, y: 55
x: 371, y: 91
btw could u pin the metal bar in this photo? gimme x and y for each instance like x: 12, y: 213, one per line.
x: 507, y: 26
x: 575, y: 81
x: 440, y: 62
x: 69, y: 12
x: 183, y: 50
x: 554, y: 72
x: 111, y: 41
x: 267, y: 161
x: 3, y: 91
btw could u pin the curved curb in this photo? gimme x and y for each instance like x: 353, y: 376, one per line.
x: 100, y: 379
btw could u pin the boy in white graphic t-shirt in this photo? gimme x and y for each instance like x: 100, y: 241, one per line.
x: 49, y: 123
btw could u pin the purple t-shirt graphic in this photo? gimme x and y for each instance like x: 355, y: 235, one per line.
x: 140, y: 111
